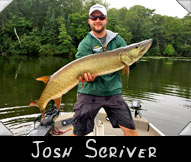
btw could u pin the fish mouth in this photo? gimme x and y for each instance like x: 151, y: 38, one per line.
x: 145, y: 45
x: 146, y: 42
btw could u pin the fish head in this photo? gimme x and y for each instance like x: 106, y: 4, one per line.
x: 134, y: 52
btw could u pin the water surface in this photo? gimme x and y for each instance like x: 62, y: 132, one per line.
x: 162, y: 85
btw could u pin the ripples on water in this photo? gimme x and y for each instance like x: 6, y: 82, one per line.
x: 19, y: 121
x: 163, y: 86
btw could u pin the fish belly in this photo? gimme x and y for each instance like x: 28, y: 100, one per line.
x: 67, y: 77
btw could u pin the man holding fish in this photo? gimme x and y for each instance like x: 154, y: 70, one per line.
x: 100, y: 57
x: 95, y: 92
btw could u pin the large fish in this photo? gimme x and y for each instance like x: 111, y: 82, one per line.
x: 67, y: 77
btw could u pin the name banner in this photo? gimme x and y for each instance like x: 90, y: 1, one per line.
x: 94, y: 148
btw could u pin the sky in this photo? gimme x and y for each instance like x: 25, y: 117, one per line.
x: 162, y: 7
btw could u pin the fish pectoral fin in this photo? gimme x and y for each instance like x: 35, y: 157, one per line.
x: 44, y: 79
x: 123, y: 71
x: 126, y: 69
x: 34, y: 103
x: 57, y: 101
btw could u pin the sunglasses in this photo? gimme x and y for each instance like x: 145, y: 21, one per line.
x: 94, y: 18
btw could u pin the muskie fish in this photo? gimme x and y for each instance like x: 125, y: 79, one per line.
x: 67, y: 77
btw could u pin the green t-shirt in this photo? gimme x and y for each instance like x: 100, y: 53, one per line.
x: 103, y: 40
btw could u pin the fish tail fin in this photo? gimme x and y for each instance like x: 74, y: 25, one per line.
x: 44, y: 79
x: 34, y: 103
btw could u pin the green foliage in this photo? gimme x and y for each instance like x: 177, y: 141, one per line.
x: 78, y: 27
x: 116, y: 24
x: 169, y: 50
x: 47, y: 27
x: 139, y: 21
x: 65, y: 41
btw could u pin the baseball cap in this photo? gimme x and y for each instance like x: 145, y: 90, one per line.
x: 98, y: 7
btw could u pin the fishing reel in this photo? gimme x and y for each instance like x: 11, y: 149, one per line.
x: 50, y: 116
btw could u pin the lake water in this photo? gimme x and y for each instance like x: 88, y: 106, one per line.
x: 162, y: 84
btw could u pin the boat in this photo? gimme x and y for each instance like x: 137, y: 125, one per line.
x: 62, y: 124
x: 103, y: 126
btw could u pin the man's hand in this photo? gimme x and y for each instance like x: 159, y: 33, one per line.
x: 87, y: 77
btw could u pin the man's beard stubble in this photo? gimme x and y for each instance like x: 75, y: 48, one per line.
x: 98, y: 31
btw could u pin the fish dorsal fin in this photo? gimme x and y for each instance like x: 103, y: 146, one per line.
x: 44, y: 79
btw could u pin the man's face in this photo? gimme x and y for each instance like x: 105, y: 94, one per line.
x: 97, y: 25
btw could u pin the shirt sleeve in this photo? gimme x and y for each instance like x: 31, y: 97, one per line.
x: 83, y: 50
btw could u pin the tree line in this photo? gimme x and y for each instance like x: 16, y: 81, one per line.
x: 47, y: 27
